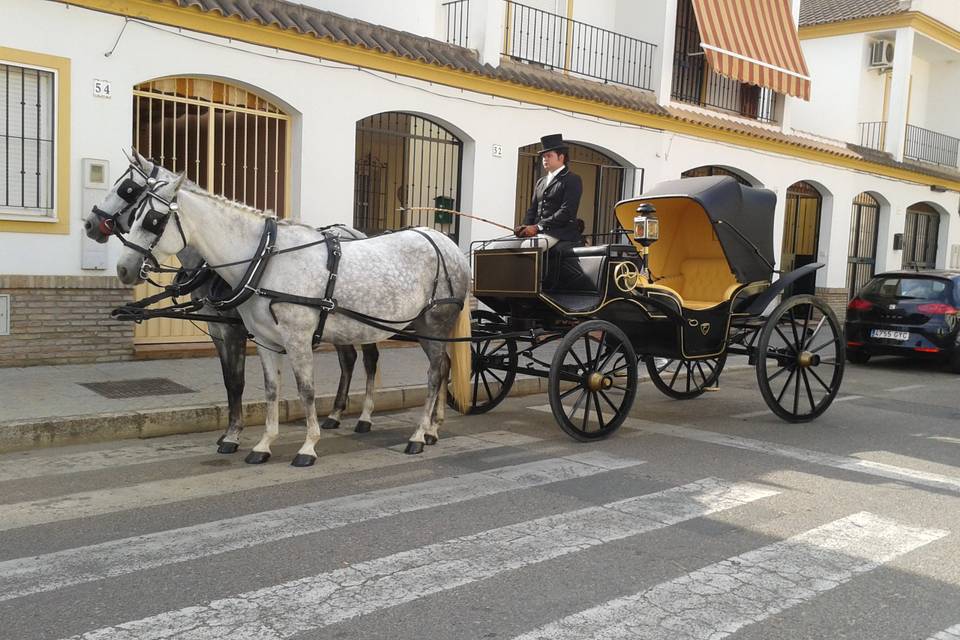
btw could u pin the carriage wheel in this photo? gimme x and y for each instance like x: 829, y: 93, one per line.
x: 685, y: 379
x: 489, y: 386
x: 800, y: 357
x: 593, y: 380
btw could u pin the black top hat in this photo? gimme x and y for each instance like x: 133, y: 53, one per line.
x: 553, y: 142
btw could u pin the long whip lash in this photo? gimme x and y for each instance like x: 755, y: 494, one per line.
x: 459, y: 213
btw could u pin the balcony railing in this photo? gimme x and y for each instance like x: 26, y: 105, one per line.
x: 931, y: 146
x: 457, y: 17
x: 560, y: 43
x: 873, y: 135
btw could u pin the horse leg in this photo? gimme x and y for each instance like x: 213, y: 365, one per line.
x: 271, y: 386
x: 440, y: 407
x: 301, y: 358
x: 426, y: 431
x: 231, y: 346
x: 347, y: 354
x: 370, y: 357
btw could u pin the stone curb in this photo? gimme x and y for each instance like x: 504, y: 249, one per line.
x: 60, y: 431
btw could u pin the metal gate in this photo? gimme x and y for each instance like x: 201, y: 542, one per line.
x: 920, y: 236
x: 862, y: 251
x: 604, y: 184
x: 801, y: 234
x: 228, y: 140
x: 406, y: 166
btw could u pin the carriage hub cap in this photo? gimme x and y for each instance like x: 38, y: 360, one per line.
x: 807, y: 359
x: 598, y: 381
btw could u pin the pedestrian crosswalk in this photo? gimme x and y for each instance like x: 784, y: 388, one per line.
x: 590, y: 500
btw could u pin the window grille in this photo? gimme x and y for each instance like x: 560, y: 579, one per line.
x: 26, y: 139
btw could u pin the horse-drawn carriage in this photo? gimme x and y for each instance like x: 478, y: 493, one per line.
x: 687, y: 282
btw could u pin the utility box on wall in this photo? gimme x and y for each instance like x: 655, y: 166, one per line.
x: 96, y: 181
x: 4, y: 314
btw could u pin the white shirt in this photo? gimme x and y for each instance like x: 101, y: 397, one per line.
x: 552, y: 175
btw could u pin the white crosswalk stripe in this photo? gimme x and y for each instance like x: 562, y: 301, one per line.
x: 847, y: 463
x: 241, y: 478
x: 284, y: 610
x: 25, y: 576
x: 719, y: 599
x: 953, y: 633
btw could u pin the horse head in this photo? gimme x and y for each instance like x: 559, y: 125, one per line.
x: 114, y: 214
x: 153, y: 230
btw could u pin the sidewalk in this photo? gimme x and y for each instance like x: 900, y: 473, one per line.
x: 50, y: 406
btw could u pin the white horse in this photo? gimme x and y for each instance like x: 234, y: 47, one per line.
x: 415, y: 278
x: 114, y: 215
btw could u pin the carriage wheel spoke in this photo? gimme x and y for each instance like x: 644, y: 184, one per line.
x: 624, y: 389
x: 665, y: 365
x: 586, y: 347
x: 793, y: 327
x: 576, y: 404
x: 596, y: 405
x: 825, y: 386
x: 806, y: 385
x: 569, y: 391
x: 501, y: 346
x: 609, y: 402
x: 495, y: 376
x: 825, y: 345
x: 785, y: 385
x: 688, y: 366
x: 674, y: 378
x: 776, y: 375
x: 486, y: 386
x: 786, y: 340
x: 579, y: 361
x: 703, y: 376
x: 796, y: 393
x: 809, y: 342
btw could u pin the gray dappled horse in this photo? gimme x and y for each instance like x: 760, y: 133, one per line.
x: 416, y: 278
x: 114, y: 214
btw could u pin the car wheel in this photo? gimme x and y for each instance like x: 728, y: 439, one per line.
x: 857, y: 357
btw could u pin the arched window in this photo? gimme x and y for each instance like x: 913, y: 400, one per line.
x: 920, y: 237
x: 229, y: 140
x: 801, y: 233
x: 711, y: 170
x: 605, y: 182
x: 862, y: 251
x: 407, y: 173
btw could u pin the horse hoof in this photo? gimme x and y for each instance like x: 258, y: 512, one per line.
x: 228, y: 447
x: 362, y: 427
x: 220, y: 440
x: 257, y: 457
x: 330, y: 423
x: 303, y: 460
x: 414, y: 448
x: 429, y: 439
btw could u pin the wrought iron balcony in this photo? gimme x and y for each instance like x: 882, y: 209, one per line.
x: 873, y: 135
x: 557, y: 42
x: 457, y: 17
x: 931, y: 146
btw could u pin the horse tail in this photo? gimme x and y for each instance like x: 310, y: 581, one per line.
x: 461, y: 360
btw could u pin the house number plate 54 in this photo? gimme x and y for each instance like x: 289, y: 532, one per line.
x: 102, y: 89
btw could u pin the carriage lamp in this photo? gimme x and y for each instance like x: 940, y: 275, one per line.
x: 646, y: 225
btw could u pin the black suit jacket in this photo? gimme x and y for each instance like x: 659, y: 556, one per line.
x: 555, y: 206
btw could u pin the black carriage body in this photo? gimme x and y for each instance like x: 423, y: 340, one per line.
x: 701, y: 291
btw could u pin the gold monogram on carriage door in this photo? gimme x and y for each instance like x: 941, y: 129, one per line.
x: 228, y: 140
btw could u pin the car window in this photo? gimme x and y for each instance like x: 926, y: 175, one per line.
x: 908, y: 288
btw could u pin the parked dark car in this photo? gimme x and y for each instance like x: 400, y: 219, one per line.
x: 906, y: 313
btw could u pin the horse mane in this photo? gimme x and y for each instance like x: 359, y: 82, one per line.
x: 194, y: 188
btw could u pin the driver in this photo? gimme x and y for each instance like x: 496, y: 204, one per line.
x: 552, y: 215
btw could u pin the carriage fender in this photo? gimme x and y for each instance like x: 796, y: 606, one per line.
x: 762, y: 301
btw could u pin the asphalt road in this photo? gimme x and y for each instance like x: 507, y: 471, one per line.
x: 702, y: 519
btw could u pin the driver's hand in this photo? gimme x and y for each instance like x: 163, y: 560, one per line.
x: 530, y: 230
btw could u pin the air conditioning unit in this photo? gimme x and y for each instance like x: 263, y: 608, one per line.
x: 881, y: 54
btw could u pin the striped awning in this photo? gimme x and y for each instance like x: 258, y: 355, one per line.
x: 754, y: 41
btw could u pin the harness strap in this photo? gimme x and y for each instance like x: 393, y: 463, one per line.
x: 251, y: 278
x: 440, y: 262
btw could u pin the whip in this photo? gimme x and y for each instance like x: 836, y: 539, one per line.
x: 459, y: 213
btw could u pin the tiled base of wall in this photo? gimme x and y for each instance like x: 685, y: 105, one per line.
x: 837, y: 299
x: 64, y: 320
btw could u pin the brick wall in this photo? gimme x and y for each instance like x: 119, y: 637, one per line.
x: 64, y: 320
x: 837, y: 299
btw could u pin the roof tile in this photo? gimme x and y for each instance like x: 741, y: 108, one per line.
x: 814, y: 12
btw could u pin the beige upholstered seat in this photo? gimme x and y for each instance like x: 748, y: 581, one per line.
x: 702, y: 282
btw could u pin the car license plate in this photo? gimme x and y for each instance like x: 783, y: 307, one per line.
x: 890, y: 335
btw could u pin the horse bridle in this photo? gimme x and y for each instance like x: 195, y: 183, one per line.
x: 154, y: 222
x: 130, y: 191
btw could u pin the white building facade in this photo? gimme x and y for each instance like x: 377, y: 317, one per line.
x: 366, y: 124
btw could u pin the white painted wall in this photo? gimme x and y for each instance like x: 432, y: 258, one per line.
x: 946, y: 11
x: 941, y: 110
x: 837, y: 67
x: 327, y: 100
